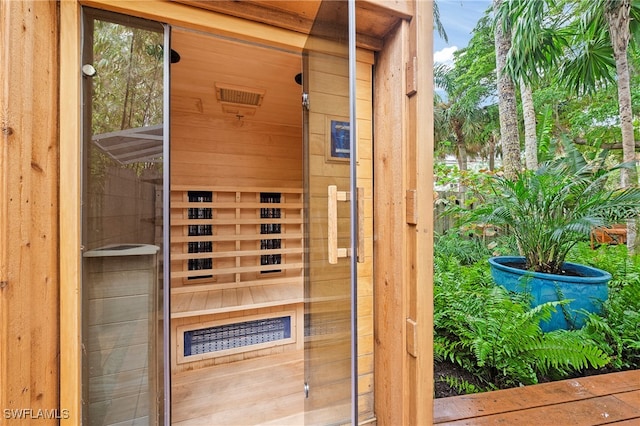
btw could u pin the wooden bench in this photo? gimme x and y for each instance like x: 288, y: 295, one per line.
x: 617, y: 234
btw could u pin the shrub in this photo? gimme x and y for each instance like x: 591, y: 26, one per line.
x: 496, y: 336
x: 617, y: 329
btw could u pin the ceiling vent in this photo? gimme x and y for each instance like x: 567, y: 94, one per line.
x: 239, y: 100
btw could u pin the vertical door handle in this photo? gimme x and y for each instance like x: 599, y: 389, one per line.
x: 334, y: 253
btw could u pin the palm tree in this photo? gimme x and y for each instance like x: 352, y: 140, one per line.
x: 531, y: 39
x: 587, y: 42
x: 437, y: 23
x: 507, y: 104
x: 458, y: 114
x: 617, y: 14
x: 529, y: 119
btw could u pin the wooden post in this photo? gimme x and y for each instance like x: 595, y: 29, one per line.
x: 70, y: 220
x: 29, y: 211
x: 403, y: 251
x: 420, y: 168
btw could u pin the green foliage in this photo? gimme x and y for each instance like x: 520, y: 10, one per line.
x: 463, y: 386
x: 476, y: 183
x: 466, y: 119
x: 127, y: 88
x: 495, y: 335
x: 552, y: 209
x: 467, y: 249
x: 616, y: 331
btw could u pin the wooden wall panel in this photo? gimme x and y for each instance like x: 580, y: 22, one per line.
x: 210, y: 147
x: 364, y: 108
x: 29, y: 213
x: 419, y: 170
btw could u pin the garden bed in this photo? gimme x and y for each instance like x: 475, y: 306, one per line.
x: 497, y: 337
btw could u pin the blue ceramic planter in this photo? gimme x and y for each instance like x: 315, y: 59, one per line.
x: 587, y: 291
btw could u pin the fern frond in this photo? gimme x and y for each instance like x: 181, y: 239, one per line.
x: 565, y: 350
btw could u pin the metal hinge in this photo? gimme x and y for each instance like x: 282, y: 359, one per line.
x: 305, y: 101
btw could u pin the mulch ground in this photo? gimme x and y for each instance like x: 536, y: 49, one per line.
x: 447, y: 369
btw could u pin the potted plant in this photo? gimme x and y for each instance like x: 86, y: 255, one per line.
x: 548, y: 211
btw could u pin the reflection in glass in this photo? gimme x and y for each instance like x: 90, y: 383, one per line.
x: 122, y: 220
x: 328, y: 288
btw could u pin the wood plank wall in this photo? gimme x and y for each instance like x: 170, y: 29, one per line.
x: 364, y: 111
x: 209, y: 147
x: 29, y: 207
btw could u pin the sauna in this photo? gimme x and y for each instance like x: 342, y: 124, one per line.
x: 257, y: 324
x: 243, y: 208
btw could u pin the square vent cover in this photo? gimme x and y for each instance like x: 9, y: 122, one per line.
x: 239, y: 99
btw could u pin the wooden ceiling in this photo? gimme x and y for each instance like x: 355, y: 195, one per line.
x: 207, y: 60
x: 374, y: 18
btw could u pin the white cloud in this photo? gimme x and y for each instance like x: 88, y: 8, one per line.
x: 445, y: 56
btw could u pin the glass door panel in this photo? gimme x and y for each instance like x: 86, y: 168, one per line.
x: 329, y: 280
x: 122, y: 219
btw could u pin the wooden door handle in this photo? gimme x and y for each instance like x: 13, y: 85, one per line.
x: 334, y: 253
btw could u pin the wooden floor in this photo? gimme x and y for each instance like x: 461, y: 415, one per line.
x: 261, y: 391
x: 595, y: 400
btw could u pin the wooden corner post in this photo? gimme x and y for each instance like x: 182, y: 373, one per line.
x: 403, y: 217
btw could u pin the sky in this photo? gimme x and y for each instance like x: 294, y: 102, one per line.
x: 459, y: 18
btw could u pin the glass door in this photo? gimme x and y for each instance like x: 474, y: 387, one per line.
x: 122, y: 219
x: 330, y: 279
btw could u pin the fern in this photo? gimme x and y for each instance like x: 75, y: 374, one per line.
x: 564, y: 350
x: 617, y: 331
x: 480, y: 327
x: 462, y: 386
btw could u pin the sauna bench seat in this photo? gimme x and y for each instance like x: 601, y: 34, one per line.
x: 191, y: 301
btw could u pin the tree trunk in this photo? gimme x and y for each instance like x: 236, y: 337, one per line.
x: 462, y: 157
x: 492, y: 153
x: 530, y: 139
x: 462, y: 149
x: 506, y: 102
x: 462, y: 160
x: 617, y: 14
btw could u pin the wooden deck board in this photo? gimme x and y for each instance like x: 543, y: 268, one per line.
x: 594, y: 400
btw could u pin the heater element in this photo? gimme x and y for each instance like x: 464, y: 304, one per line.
x: 236, y: 335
